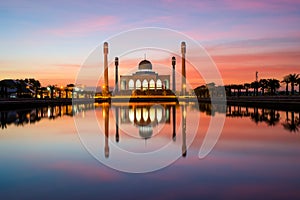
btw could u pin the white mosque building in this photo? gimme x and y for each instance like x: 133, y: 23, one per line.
x: 144, y: 79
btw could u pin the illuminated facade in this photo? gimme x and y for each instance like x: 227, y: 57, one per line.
x: 144, y: 79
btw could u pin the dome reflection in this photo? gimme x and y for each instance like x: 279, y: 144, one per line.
x: 145, y: 117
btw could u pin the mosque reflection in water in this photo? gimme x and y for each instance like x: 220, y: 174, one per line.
x: 145, y: 117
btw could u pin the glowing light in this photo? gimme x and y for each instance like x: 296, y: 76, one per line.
x: 131, y: 115
x: 138, y: 114
x: 159, y: 114
x: 145, y: 114
x: 152, y: 114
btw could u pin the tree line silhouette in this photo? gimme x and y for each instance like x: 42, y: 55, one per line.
x: 31, y: 88
x: 266, y: 86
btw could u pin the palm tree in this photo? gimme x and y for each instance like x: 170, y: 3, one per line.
x: 293, y: 79
x: 273, y: 84
x: 239, y: 88
x: 228, y: 90
x: 247, y: 86
x: 263, y: 83
x: 234, y: 88
x: 298, y: 83
x: 70, y: 87
x: 36, y: 85
x: 255, y: 86
x: 51, y: 88
x: 3, y: 89
x: 286, y: 80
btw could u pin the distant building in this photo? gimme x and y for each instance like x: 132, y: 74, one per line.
x: 144, y: 79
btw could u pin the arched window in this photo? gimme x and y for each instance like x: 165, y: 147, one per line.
x: 131, y: 84
x: 131, y: 115
x: 145, y: 84
x: 158, y: 84
x: 152, y: 84
x: 138, y: 114
x: 138, y: 84
x: 123, y: 85
x: 166, y: 83
x: 145, y: 114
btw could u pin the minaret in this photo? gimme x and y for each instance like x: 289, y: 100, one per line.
x: 105, y: 51
x: 173, y: 74
x: 117, y: 75
x: 183, y: 82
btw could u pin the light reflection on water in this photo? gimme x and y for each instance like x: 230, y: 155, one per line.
x: 147, y: 117
x: 257, y: 155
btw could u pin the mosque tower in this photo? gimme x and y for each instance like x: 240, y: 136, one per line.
x: 117, y: 75
x: 105, y: 87
x: 173, y: 74
x: 183, y: 83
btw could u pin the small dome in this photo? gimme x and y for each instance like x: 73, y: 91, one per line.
x: 145, y: 64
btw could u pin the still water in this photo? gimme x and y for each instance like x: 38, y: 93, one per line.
x: 257, y: 154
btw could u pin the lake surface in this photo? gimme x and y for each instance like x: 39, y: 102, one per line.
x: 60, y: 152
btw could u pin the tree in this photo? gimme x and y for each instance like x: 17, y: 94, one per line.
x: 247, y: 86
x: 293, y: 80
x: 239, y: 88
x: 201, y: 91
x: 263, y: 83
x: 255, y: 86
x: 3, y: 89
x: 298, y: 83
x: 51, y: 88
x: 35, y: 84
x: 70, y: 87
x: 228, y: 90
x: 286, y: 80
x: 273, y: 85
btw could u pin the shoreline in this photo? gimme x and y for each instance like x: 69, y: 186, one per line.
x: 269, y: 102
x: 272, y: 102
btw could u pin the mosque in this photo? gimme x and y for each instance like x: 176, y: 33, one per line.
x: 145, y: 80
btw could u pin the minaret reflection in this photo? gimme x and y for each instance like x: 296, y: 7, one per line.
x: 117, y: 124
x: 174, y: 122
x: 105, y: 114
x: 184, y: 150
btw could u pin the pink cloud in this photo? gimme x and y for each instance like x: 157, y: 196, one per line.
x: 269, y: 5
x: 103, y: 23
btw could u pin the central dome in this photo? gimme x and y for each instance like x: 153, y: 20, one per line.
x: 145, y: 64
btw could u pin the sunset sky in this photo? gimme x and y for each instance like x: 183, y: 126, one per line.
x: 49, y: 40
